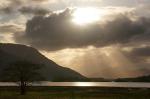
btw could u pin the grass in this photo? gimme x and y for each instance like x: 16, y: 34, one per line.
x: 74, y: 93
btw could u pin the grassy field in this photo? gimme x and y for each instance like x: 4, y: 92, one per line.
x: 74, y: 93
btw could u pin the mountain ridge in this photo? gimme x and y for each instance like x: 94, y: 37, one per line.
x: 52, y: 71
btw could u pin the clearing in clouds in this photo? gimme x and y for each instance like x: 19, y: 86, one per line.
x: 83, y: 16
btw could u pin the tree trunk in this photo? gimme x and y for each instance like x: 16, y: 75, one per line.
x: 23, y: 88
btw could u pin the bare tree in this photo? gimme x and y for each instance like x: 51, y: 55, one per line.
x: 23, y: 73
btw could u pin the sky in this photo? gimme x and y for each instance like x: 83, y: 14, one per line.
x: 97, y: 38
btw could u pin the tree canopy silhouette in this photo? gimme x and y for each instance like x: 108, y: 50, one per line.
x: 23, y: 73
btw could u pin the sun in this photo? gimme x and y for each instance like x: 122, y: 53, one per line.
x: 84, y: 16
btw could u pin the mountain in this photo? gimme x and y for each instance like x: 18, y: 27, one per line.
x: 136, y: 79
x: 53, y: 72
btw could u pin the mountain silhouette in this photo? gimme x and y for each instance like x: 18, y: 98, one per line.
x: 51, y: 71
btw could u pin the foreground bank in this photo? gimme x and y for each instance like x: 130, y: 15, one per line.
x: 75, y: 93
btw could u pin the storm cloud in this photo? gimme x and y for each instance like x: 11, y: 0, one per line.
x: 57, y: 31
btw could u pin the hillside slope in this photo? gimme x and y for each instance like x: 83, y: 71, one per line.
x: 15, y: 52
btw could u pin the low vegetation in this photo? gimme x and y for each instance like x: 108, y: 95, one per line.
x: 75, y: 93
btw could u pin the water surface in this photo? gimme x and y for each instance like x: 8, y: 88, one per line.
x: 88, y: 84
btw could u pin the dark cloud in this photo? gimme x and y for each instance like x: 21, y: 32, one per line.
x: 138, y: 55
x: 34, y: 10
x: 141, y: 52
x: 57, y: 32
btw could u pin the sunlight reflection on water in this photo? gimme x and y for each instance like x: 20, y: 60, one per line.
x: 88, y: 84
x: 99, y: 84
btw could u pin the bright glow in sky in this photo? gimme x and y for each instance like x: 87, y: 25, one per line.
x: 84, y: 16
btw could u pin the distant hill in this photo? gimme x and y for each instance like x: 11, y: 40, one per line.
x: 53, y: 72
x: 99, y: 80
x: 136, y: 79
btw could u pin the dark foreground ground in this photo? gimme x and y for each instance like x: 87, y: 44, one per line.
x: 75, y: 93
